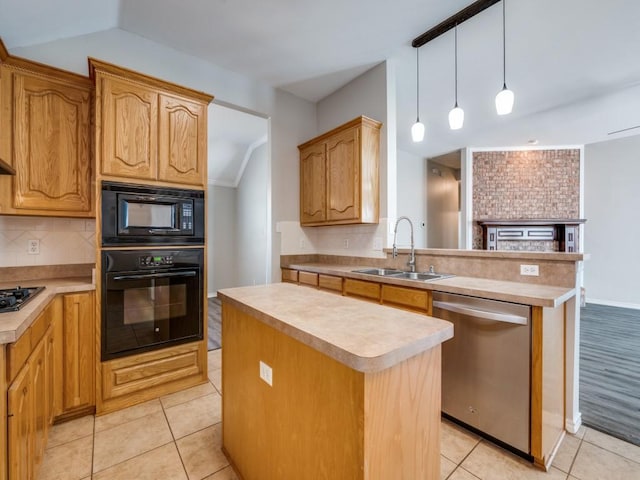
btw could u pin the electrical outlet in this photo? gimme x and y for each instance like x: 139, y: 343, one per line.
x: 530, y: 270
x: 345, y: 243
x: 33, y: 247
x: 377, y: 243
x: 266, y: 373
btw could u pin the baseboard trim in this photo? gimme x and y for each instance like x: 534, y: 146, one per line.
x: 573, y: 424
x: 611, y: 303
x: 212, y: 295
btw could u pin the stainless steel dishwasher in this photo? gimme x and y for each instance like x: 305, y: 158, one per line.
x: 486, y: 366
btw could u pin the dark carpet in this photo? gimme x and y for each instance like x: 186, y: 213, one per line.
x: 214, y: 338
x: 610, y: 370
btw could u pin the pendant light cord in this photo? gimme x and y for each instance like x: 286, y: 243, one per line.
x: 418, y: 84
x: 455, y: 33
x: 504, y: 49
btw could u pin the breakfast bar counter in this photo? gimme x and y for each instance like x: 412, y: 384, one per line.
x: 323, y: 386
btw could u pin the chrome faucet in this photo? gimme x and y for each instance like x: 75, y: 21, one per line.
x: 412, y: 256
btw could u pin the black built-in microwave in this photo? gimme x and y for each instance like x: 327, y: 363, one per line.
x: 150, y: 215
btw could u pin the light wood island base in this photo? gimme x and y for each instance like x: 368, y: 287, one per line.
x: 322, y: 418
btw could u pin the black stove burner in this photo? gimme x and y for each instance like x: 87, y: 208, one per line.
x: 12, y: 299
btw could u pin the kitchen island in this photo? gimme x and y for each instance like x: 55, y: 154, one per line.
x: 349, y: 389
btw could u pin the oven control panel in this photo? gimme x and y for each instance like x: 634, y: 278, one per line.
x: 155, y: 260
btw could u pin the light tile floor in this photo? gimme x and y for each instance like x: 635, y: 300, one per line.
x: 179, y: 436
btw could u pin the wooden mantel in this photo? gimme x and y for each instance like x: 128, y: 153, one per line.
x: 565, y: 231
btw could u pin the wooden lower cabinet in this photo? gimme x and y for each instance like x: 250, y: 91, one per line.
x: 362, y: 289
x: 78, y: 356
x: 137, y: 378
x: 28, y: 413
x: 329, y: 282
x: 289, y: 275
x: 412, y: 299
x: 20, y: 426
x: 308, y: 278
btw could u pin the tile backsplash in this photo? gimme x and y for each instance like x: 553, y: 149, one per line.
x: 62, y: 240
x: 343, y: 240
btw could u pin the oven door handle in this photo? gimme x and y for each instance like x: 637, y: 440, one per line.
x: 155, y: 275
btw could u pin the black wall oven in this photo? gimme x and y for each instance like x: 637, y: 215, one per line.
x: 136, y: 215
x: 151, y: 299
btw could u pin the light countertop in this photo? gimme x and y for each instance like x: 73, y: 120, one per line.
x: 14, y: 324
x: 364, y: 336
x: 516, y: 292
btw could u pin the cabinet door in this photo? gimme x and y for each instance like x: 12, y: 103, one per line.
x: 312, y: 184
x: 343, y: 176
x: 182, y: 148
x: 129, y: 132
x: 39, y: 402
x: 19, y: 436
x: 51, y: 131
x: 78, y: 351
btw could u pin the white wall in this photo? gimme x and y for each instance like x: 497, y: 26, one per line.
x: 293, y: 120
x: 221, y: 238
x: 412, y: 197
x: 251, y: 196
x: 365, y: 95
x: 612, y: 199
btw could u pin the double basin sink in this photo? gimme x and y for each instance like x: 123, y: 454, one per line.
x: 390, y: 272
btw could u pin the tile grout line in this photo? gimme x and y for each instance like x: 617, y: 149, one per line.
x: 459, y: 465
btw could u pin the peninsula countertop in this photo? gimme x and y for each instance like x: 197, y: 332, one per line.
x: 516, y: 292
x: 14, y: 324
x: 363, y: 336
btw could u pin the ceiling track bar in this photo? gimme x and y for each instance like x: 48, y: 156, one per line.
x: 456, y: 19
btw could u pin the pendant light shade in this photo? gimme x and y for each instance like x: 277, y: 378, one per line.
x: 505, y: 97
x: 417, y: 130
x: 456, y: 118
x: 504, y: 101
x: 456, y: 115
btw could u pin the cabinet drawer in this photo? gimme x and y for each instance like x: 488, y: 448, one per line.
x: 308, y: 278
x: 411, y: 298
x: 363, y: 289
x: 329, y: 282
x: 136, y: 373
x: 40, y: 326
x: 17, y: 354
x: 289, y: 275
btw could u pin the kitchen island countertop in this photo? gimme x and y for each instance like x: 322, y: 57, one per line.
x: 364, y: 336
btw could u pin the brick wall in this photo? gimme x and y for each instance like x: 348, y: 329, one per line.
x: 526, y: 184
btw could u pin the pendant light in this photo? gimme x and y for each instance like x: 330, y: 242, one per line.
x: 456, y: 115
x: 417, y: 130
x: 505, y: 97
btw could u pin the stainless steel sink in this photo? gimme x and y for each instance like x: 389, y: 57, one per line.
x: 383, y: 272
x: 390, y: 272
x: 425, y: 277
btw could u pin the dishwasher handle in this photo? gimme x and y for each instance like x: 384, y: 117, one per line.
x: 474, y: 312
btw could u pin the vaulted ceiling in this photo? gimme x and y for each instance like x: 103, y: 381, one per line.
x: 573, y: 64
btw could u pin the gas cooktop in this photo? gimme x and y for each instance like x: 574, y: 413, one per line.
x: 13, y: 299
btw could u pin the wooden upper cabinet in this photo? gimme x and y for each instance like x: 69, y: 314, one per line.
x: 45, y: 119
x: 339, y: 175
x: 148, y: 129
x: 129, y: 122
x: 313, y: 189
x: 182, y: 145
x: 343, y: 176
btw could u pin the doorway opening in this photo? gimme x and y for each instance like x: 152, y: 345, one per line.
x: 238, y: 204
